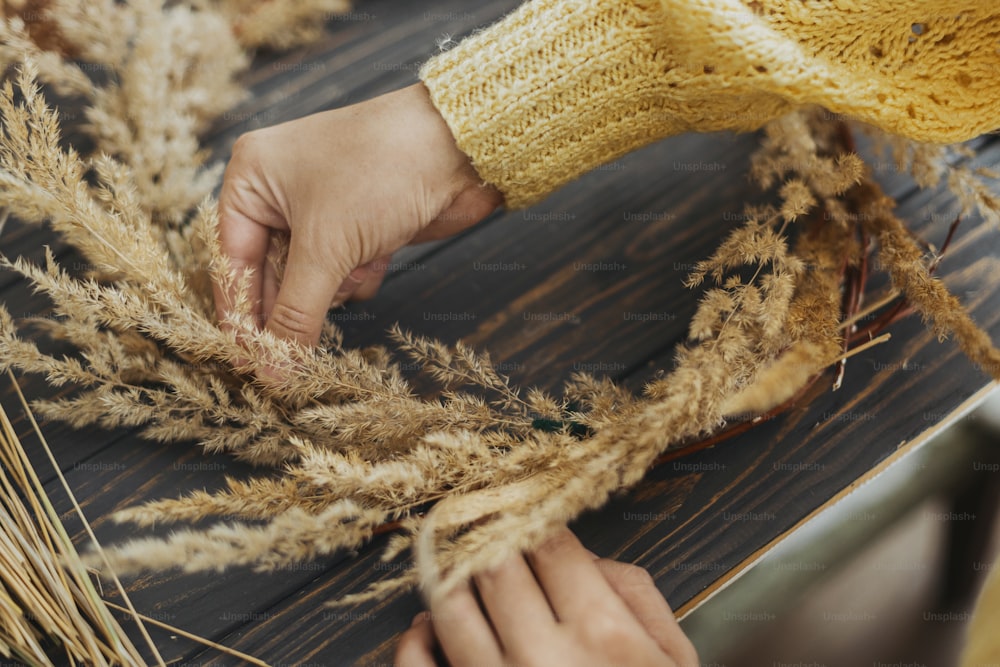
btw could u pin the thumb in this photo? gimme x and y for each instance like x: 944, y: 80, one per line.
x: 307, y: 290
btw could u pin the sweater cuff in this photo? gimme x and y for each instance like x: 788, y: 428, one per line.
x: 557, y: 88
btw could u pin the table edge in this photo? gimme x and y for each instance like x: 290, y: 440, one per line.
x: 904, y: 449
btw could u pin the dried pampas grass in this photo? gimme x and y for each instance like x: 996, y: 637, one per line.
x: 470, y: 471
x: 49, y: 608
x: 48, y: 603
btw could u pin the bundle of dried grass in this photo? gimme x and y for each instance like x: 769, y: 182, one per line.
x: 469, y: 473
x: 48, y: 604
x: 278, y: 24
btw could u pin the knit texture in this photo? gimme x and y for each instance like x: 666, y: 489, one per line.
x: 559, y: 87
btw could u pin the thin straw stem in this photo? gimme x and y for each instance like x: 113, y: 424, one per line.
x: 102, y: 611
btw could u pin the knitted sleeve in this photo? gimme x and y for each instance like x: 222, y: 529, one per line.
x: 559, y: 87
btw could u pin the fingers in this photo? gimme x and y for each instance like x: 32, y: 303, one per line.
x: 247, y: 215
x: 308, y: 289
x: 363, y: 282
x: 608, y: 613
x: 299, y: 315
x: 636, y: 587
x: 462, y: 630
x: 626, y: 595
x: 571, y: 579
x: 245, y: 243
x: 416, y: 646
x: 351, y: 283
x: 517, y: 606
x: 270, y: 282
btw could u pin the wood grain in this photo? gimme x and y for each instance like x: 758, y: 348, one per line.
x: 590, y: 279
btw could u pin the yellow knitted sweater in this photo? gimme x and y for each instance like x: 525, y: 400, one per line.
x: 559, y: 87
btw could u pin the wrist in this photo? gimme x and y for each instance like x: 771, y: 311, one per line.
x: 430, y: 141
x: 556, y: 89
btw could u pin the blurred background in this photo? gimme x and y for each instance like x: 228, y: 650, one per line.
x: 887, y: 577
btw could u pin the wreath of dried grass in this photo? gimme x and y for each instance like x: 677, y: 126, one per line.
x: 476, y: 469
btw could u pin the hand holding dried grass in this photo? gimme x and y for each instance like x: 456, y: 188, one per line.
x: 470, y: 472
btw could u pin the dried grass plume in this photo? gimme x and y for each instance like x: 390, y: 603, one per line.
x: 467, y: 473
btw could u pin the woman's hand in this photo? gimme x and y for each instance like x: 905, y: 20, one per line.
x: 558, y: 606
x: 350, y: 186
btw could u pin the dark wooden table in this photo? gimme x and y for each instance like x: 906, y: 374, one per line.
x: 641, y: 221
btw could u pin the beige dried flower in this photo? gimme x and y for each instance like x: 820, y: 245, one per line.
x: 469, y: 472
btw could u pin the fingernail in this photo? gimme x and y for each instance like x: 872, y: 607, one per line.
x: 422, y: 617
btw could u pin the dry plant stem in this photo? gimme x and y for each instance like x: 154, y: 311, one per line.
x: 193, y: 637
x: 949, y: 237
x: 856, y: 279
x: 83, y: 518
x: 855, y: 293
x: 62, y: 599
x: 74, y: 628
x: 850, y: 324
x: 22, y: 586
x: 54, y: 585
x: 902, y: 308
x: 926, y: 294
x: 499, y: 468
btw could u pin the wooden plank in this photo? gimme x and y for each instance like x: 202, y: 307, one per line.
x: 358, y: 58
x: 692, y: 521
x: 619, y: 241
x: 71, y: 446
x: 108, y: 470
x: 209, y: 604
x: 376, y: 48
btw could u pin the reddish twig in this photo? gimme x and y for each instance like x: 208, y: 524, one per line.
x: 902, y: 308
x: 736, y: 429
